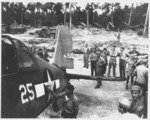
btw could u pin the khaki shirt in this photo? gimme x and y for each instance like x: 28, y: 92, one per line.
x: 113, y: 54
x: 142, y: 74
x: 93, y: 57
x: 71, y: 104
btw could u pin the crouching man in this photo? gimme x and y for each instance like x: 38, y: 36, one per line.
x: 70, y: 104
x: 137, y: 106
x: 124, y: 108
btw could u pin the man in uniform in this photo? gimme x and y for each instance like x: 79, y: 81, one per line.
x: 122, y: 62
x: 70, y: 104
x: 112, y: 61
x: 134, y: 51
x: 54, y: 97
x: 93, y: 59
x: 137, y: 106
x: 96, y: 48
x: 99, y: 68
x: 86, y: 56
x: 141, y: 73
x: 104, y: 54
x: 136, y: 54
x: 130, y: 69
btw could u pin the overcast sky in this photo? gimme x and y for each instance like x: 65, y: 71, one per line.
x: 82, y: 3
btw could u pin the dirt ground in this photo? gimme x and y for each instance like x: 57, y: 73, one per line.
x: 100, y: 102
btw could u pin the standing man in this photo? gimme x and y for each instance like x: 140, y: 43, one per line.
x: 86, y: 56
x: 137, y: 106
x: 112, y: 61
x: 134, y: 52
x: 141, y: 73
x: 71, y: 104
x: 104, y: 54
x: 130, y: 69
x: 96, y: 48
x: 93, y: 59
x: 99, y: 68
x: 122, y: 62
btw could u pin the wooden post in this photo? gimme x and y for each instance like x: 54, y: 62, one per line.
x: 112, y: 14
x: 65, y: 17
x: 130, y: 15
x: 70, y: 15
x: 87, y: 18
x: 146, y: 20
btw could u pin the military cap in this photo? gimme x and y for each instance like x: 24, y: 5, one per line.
x: 125, y: 102
x: 135, y: 88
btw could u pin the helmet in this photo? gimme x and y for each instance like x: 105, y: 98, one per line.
x: 135, y: 88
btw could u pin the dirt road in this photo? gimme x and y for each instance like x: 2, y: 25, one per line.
x: 101, y: 102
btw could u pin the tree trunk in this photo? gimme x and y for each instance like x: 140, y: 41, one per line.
x: 87, y: 18
x: 34, y: 19
x: 21, y: 18
x: 130, y: 15
x: 112, y: 14
x: 70, y: 16
x: 146, y: 21
x: 65, y: 17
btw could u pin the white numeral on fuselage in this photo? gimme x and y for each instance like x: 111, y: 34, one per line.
x: 24, y: 90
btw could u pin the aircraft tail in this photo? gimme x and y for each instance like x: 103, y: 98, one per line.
x: 62, y: 48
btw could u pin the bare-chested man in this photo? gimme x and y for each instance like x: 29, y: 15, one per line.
x: 137, y: 106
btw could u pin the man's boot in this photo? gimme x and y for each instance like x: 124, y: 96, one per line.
x: 98, y: 85
x: 126, y: 87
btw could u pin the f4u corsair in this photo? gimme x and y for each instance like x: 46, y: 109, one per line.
x: 24, y: 76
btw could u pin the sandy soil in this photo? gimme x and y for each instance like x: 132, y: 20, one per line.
x: 101, y: 102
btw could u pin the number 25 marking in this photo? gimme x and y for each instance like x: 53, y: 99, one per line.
x: 24, y: 92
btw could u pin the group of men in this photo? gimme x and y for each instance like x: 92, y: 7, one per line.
x: 130, y: 67
x: 129, y: 63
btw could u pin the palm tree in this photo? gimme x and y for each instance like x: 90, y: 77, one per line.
x: 39, y: 6
x: 146, y: 20
x: 31, y: 7
x: 69, y: 6
x: 66, y: 6
x: 87, y: 12
x: 21, y: 9
x: 90, y: 12
x: 130, y: 15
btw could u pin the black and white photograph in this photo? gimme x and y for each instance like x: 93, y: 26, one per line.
x: 75, y: 59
